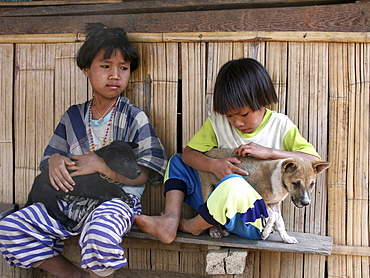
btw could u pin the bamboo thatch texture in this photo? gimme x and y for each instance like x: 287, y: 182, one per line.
x: 323, y: 86
x: 6, y: 128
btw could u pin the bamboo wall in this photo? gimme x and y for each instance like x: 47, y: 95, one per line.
x: 322, y: 84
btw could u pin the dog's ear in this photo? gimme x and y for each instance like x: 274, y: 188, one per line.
x: 289, y: 165
x: 133, y: 145
x: 319, y: 166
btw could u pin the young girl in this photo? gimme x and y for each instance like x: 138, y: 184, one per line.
x: 30, y: 237
x: 242, y: 122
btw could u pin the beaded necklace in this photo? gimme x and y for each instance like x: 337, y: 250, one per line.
x: 93, y: 146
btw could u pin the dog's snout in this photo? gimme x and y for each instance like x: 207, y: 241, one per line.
x: 305, y: 203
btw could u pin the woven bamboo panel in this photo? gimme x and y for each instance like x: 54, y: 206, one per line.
x: 322, y: 86
x: 71, y: 85
x: 193, y: 77
x: 47, y: 83
x: 33, y: 124
x: 339, y: 105
x: 357, y: 228
x: 6, y: 128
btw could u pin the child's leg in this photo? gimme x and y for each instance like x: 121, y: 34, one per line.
x: 30, y: 236
x: 61, y: 267
x: 237, y: 205
x: 164, y: 227
x: 102, y: 234
x: 195, y: 226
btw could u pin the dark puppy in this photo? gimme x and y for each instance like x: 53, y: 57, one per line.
x: 119, y: 156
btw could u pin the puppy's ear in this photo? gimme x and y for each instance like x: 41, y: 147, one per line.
x: 133, y: 145
x: 319, y: 166
x: 289, y: 165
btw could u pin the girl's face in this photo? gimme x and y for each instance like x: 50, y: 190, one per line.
x: 244, y: 119
x: 108, y: 77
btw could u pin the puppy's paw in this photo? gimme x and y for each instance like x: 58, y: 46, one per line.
x: 265, y: 234
x: 70, y: 224
x: 218, y: 232
x: 128, y: 200
x: 289, y: 239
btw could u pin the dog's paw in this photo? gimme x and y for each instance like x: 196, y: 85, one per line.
x: 70, y: 224
x: 290, y: 239
x: 218, y: 232
x: 128, y: 201
x: 265, y: 234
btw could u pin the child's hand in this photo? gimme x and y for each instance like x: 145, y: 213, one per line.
x: 255, y: 150
x: 86, y: 164
x: 225, y: 166
x: 58, y: 173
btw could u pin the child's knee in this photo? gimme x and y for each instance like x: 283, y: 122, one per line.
x: 234, y: 184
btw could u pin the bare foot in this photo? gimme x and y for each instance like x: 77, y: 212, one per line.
x: 194, y: 226
x: 163, y: 227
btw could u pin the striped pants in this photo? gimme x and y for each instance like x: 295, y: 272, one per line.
x: 30, y: 235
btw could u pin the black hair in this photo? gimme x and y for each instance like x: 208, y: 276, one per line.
x: 110, y: 39
x: 240, y: 83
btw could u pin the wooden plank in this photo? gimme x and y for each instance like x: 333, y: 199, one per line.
x: 103, y: 6
x: 242, y: 36
x: 6, y: 209
x: 328, y: 18
x: 54, y: 3
x: 308, y: 243
x: 351, y: 250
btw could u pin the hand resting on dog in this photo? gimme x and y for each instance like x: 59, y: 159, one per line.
x: 118, y: 156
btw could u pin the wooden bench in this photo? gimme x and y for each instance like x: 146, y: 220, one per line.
x: 223, y: 256
x: 307, y: 243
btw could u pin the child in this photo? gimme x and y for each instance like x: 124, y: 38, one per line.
x: 30, y: 237
x: 242, y: 122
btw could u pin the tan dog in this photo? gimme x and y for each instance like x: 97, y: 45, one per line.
x: 274, y: 180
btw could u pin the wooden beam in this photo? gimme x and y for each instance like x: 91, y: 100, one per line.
x: 351, y: 250
x: 329, y: 18
x: 47, y: 8
x: 354, y: 37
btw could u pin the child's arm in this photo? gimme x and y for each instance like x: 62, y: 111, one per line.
x: 219, y: 167
x: 92, y: 163
x: 269, y: 153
